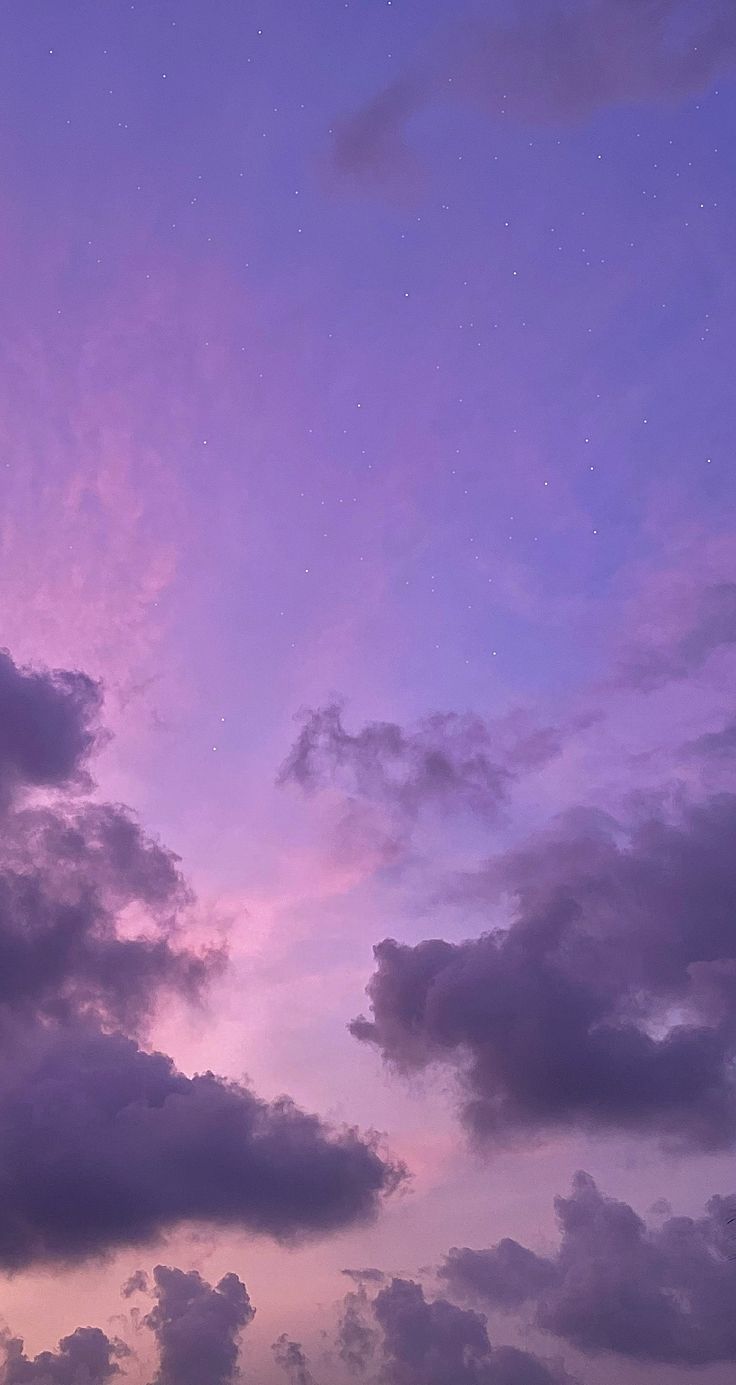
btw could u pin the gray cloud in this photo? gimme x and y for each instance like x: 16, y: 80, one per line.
x: 104, y: 1145
x: 48, y: 726
x: 609, y: 1002
x: 86, y: 1357
x: 655, y: 1294
x: 197, y: 1327
x: 436, y: 1343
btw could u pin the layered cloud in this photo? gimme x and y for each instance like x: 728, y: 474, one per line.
x: 608, y: 1001
x: 545, y: 61
x: 663, y: 1293
x: 103, y: 1142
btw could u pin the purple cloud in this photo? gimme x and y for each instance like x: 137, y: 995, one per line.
x: 197, y: 1326
x: 436, y: 1343
x: 608, y: 1003
x: 48, y: 726
x: 544, y: 61
x: 664, y: 1294
x: 291, y: 1357
x: 104, y: 1145
x: 86, y: 1357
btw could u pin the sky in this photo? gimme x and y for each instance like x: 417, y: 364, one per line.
x: 367, y: 737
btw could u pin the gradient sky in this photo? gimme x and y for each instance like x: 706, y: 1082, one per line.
x: 375, y: 353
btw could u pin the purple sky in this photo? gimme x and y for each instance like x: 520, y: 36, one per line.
x: 367, y: 457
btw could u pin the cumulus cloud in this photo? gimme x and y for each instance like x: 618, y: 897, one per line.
x: 655, y: 1294
x: 103, y: 1144
x: 609, y: 1000
x: 545, y: 61
x: 197, y: 1326
x: 434, y: 1342
x: 48, y: 726
x: 293, y: 1361
x: 86, y: 1357
x: 67, y: 873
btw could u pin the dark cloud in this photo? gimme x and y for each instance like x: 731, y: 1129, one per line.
x: 293, y: 1361
x: 609, y: 1001
x: 545, y: 61
x: 48, y: 726
x: 708, y: 624
x: 662, y: 1294
x: 87, y: 1357
x: 436, y: 1343
x: 197, y: 1327
x: 448, y: 762
x: 103, y: 1145
x: 67, y: 874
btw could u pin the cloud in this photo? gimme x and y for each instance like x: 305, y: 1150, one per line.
x: 356, y: 1336
x: 436, y: 1343
x: 610, y: 1000
x: 103, y: 1145
x: 448, y: 762
x: 545, y: 61
x: 136, y: 1284
x: 714, y: 745
x: 197, y: 1326
x: 664, y: 1294
x: 369, y: 1276
x: 86, y: 1357
x: 75, y: 880
x: 292, y: 1359
x: 706, y: 623
x: 47, y: 726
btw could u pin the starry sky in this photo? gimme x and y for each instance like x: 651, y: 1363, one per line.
x: 367, y: 739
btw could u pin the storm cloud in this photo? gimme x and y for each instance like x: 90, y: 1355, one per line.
x: 655, y: 1294
x: 608, y: 1002
x: 545, y: 61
